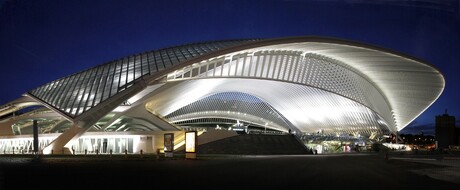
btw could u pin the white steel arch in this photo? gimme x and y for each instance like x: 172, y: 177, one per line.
x: 313, y: 82
x: 389, y: 84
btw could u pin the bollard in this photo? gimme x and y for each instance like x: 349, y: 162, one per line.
x: 141, y: 152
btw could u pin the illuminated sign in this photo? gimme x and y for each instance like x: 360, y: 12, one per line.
x: 190, y: 141
x: 169, y: 142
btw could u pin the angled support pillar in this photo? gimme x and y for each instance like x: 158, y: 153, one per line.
x: 58, y: 145
x: 156, y: 120
x: 83, y: 122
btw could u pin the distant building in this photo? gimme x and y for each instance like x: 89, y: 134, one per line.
x: 419, y: 139
x: 446, y: 133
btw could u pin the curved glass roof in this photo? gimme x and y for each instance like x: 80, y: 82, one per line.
x: 385, y: 88
x: 79, y: 92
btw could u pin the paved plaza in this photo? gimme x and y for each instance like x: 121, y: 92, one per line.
x: 339, y: 171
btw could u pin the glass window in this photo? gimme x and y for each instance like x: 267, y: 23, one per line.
x: 58, y: 97
x: 58, y: 91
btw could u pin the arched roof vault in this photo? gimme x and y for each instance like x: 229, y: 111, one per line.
x: 408, y: 85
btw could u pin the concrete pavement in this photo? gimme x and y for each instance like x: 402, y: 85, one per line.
x: 338, y: 171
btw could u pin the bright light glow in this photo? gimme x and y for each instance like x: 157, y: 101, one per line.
x: 396, y: 146
x: 165, y: 104
x: 190, y: 140
x: 121, y: 109
x: 319, y: 149
x: 177, y: 145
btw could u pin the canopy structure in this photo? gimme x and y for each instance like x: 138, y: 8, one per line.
x: 310, y: 85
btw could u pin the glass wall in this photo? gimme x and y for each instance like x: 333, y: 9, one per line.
x: 105, y: 145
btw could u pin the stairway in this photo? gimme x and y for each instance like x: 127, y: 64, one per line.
x: 254, y: 144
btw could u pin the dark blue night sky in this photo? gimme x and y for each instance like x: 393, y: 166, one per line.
x: 43, y: 40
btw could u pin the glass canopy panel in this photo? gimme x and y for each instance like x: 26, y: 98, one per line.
x: 77, y: 93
